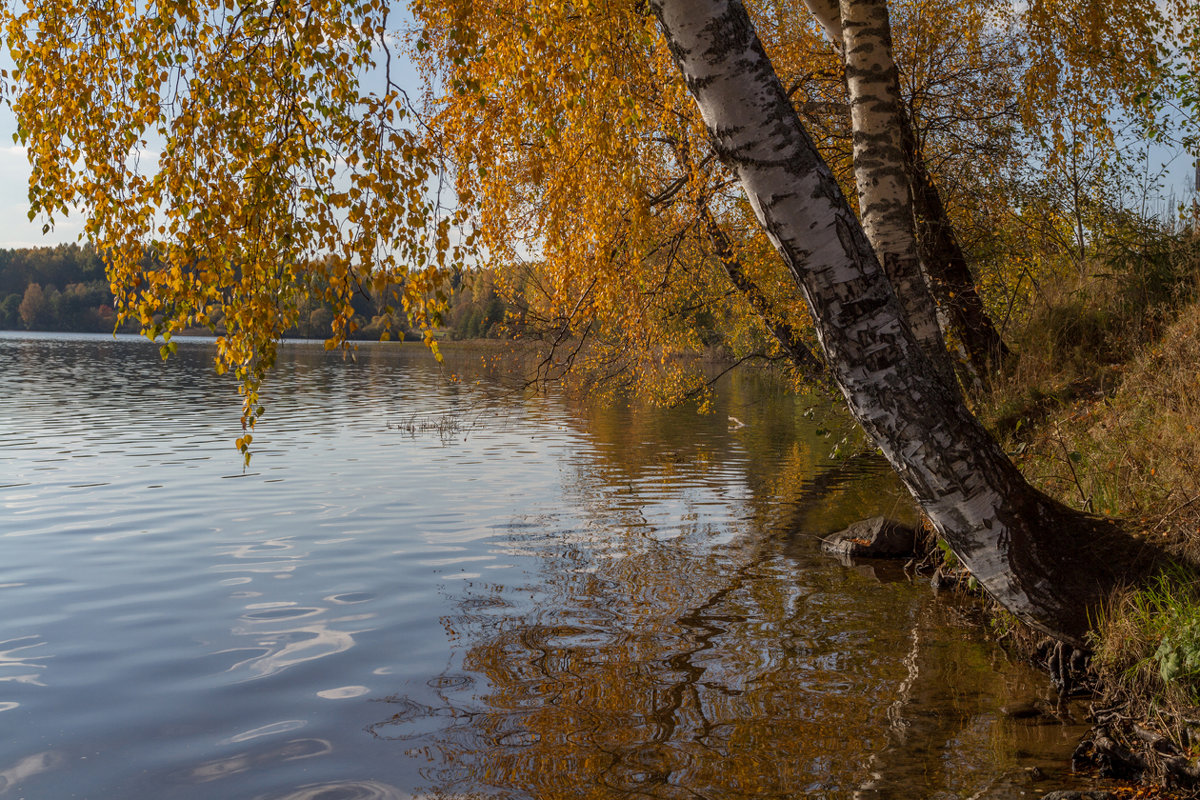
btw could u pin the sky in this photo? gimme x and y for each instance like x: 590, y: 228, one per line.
x: 15, y: 228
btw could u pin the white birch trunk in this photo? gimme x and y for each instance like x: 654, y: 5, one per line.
x: 1046, y: 564
x: 829, y: 14
x: 942, y: 264
x: 884, y: 200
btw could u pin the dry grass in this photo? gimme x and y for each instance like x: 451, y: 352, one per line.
x: 1132, y: 451
x: 1102, y: 411
x: 1102, y: 406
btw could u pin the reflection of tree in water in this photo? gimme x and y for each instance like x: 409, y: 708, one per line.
x: 649, y: 469
x: 668, y: 675
x: 652, y: 665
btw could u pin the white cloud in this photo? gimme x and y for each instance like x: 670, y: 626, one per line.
x: 16, y: 229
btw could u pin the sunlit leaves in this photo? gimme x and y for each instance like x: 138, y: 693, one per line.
x: 236, y: 160
x: 231, y: 159
x: 584, y: 161
x: 1090, y: 60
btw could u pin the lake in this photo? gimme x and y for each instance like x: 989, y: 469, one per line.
x: 428, y: 584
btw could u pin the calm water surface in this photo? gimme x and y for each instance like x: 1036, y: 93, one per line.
x: 433, y: 588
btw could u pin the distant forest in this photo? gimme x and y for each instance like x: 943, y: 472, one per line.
x: 64, y: 288
x: 59, y: 288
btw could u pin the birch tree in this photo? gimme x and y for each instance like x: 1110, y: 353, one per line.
x: 884, y: 197
x: 895, y: 188
x: 1048, y: 565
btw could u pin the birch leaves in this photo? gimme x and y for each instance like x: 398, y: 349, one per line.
x: 231, y: 160
x: 592, y: 179
x: 236, y: 158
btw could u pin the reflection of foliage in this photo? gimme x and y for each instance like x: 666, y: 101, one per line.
x: 759, y: 436
x: 742, y: 681
x: 676, y: 647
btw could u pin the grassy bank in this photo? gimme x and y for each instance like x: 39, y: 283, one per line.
x: 1101, y: 409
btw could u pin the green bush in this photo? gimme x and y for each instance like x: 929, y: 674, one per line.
x: 1149, y: 643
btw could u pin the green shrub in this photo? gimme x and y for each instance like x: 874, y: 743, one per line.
x: 1149, y: 642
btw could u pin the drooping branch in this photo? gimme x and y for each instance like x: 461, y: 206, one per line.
x: 788, y: 337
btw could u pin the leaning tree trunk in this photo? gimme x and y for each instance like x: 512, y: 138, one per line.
x: 1048, y: 565
x: 884, y: 199
x: 950, y: 278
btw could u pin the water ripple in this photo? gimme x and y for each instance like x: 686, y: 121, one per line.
x: 558, y: 598
x: 341, y: 790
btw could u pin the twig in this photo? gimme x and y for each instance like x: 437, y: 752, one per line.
x: 1175, y: 511
x: 1087, y: 500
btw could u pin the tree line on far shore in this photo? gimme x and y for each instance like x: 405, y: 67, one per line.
x: 64, y: 288
x: 60, y: 288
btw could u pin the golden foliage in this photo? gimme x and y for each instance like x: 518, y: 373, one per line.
x: 230, y: 162
x: 585, y: 163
